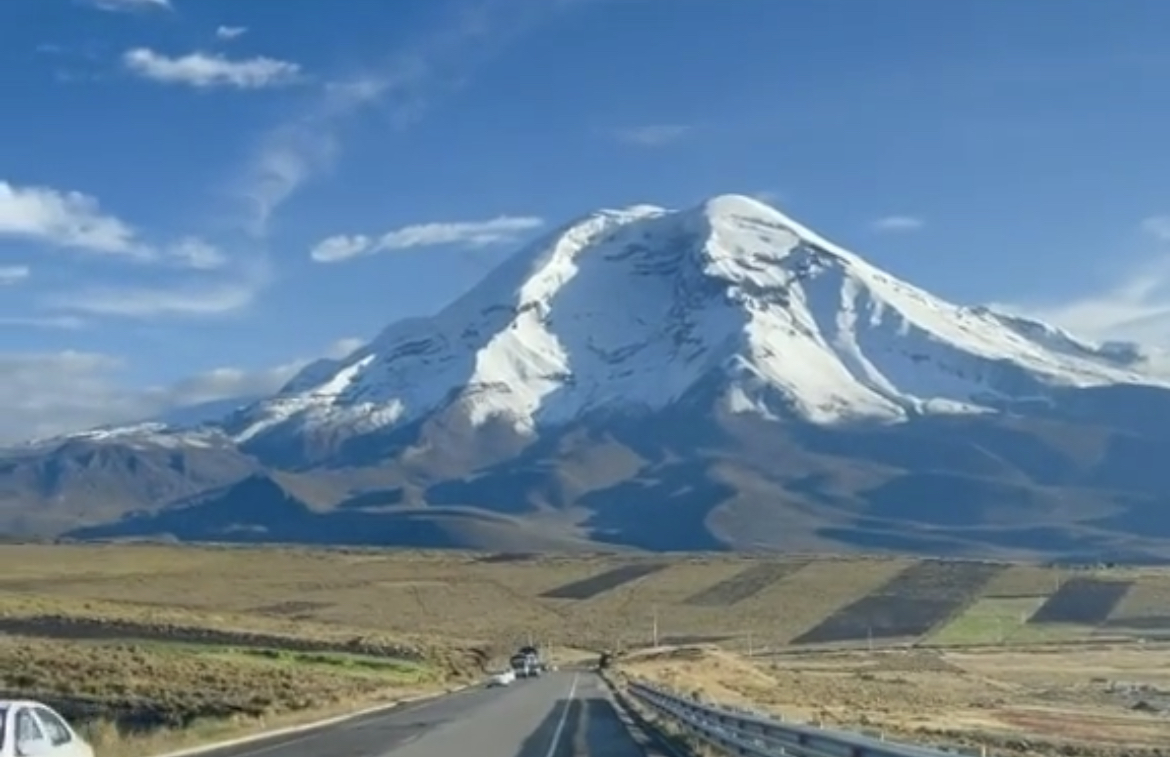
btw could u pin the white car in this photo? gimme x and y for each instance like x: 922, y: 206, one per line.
x: 33, y: 729
x: 504, y: 678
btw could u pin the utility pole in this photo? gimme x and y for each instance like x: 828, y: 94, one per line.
x: 751, y: 647
x: 655, y: 628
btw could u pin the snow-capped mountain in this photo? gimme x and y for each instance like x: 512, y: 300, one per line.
x: 628, y: 310
x: 711, y: 377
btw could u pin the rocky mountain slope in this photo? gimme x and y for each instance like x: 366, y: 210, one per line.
x: 718, y: 376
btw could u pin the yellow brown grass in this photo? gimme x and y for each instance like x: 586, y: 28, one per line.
x: 150, y: 694
x: 1022, y: 703
x: 447, y: 611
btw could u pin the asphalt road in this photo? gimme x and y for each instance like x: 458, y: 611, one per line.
x: 557, y: 715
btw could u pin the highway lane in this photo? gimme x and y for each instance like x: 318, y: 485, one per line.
x: 557, y: 715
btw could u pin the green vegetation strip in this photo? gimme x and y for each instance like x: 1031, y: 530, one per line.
x: 1003, y: 620
x: 403, y: 671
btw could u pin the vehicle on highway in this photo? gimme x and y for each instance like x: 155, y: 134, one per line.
x: 503, y: 678
x: 523, y: 667
x: 532, y: 655
x: 33, y: 729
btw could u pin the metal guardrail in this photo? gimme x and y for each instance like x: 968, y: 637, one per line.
x: 751, y: 734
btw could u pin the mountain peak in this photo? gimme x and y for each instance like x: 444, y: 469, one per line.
x: 744, y: 206
x: 633, y: 309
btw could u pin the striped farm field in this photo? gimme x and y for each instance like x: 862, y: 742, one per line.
x: 772, y: 603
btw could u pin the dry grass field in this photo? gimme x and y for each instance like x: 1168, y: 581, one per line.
x: 179, y: 640
x: 1100, y: 701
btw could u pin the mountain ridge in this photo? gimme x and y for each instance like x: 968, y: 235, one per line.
x: 522, y: 364
x: 721, y: 365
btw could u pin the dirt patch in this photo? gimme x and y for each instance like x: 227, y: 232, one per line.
x: 747, y: 583
x: 291, y: 608
x: 1082, y: 601
x: 590, y: 587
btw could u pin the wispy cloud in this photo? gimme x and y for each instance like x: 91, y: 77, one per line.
x: 48, y: 393
x: 129, y: 6
x: 66, y: 322
x: 74, y: 220
x: 211, y: 70
x: 497, y: 230
x: 1135, y: 307
x: 221, y: 296
x: 653, y: 135
x: 400, y: 89
x: 897, y: 223
x: 1157, y: 227
x: 192, y: 252
x: 13, y: 274
x: 138, y: 302
x: 230, y: 32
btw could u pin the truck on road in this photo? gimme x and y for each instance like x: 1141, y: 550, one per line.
x: 527, y: 662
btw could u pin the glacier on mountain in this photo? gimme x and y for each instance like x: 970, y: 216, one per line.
x: 627, y: 310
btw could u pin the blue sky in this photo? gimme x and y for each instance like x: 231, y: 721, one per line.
x: 167, y: 166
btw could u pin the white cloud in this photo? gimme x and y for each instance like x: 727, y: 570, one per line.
x: 653, y: 135
x: 13, y: 274
x: 125, y: 6
x: 207, y: 70
x: 74, y: 220
x: 1135, y: 307
x: 65, y: 219
x: 341, y: 247
x: 401, y: 89
x: 49, y: 393
x: 230, y: 32
x: 501, y: 229
x: 898, y: 223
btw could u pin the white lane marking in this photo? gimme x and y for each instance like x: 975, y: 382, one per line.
x: 556, y: 738
x: 330, y: 730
